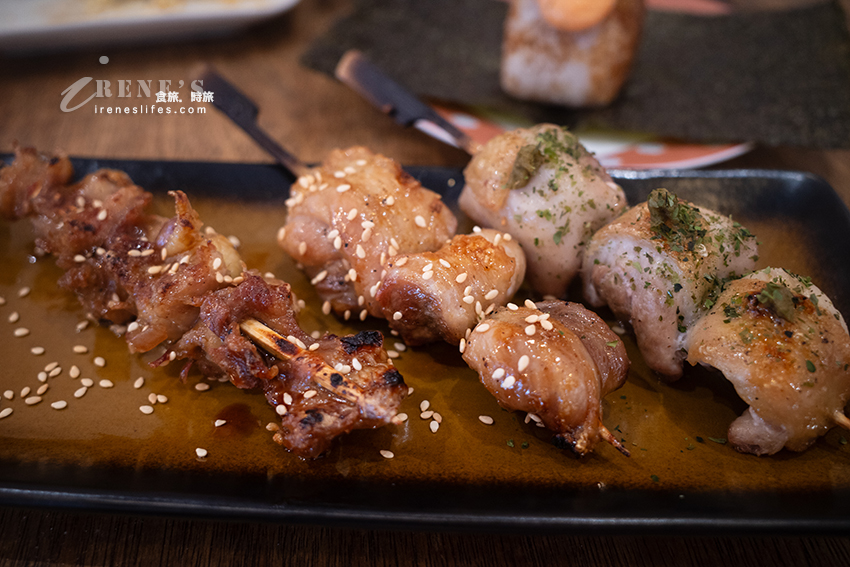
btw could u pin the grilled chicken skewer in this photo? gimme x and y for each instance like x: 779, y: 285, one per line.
x: 778, y: 338
x: 174, y: 285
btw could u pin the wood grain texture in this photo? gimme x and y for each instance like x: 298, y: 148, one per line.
x: 310, y: 114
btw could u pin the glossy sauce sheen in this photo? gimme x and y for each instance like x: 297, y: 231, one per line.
x: 667, y: 428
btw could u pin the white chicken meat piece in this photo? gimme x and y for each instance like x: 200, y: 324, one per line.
x: 785, y: 348
x: 441, y: 295
x: 543, y: 187
x: 555, y: 360
x: 659, y: 267
x: 350, y: 215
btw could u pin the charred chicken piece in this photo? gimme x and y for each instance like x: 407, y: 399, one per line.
x: 173, y: 284
x: 554, y: 360
x: 349, y: 216
x: 785, y: 348
x: 544, y: 188
x: 659, y: 267
x: 440, y: 295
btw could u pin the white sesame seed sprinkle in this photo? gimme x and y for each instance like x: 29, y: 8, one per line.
x: 32, y: 400
x: 42, y: 389
x: 280, y: 410
x: 547, y: 325
x: 530, y: 330
x: 21, y: 332
x: 462, y: 346
x: 201, y: 452
x: 491, y: 294
x: 485, y: 419
x: 426, y: 414
x: 434, y: 426
x: 287, y: 398
x: 314, y: 346
x: 80, y: 349
x: 420, y: 221
x: 147, y: 410
x: 24, y: 291
x: 42, y: 376
x: 74, y: 372
x: 338, y: 242
x: 99, y: 361
x: 162, y: 399
x: 202, y: 386
x: 14, y: 317
x: 87, y: 382
x: 60, y: 405
x: 343, y: 188
x: 512, y: 306
x: 309, y: 394
x: 423, y: 405
x: 6, y: 412
x: 523, y: 362
x: 105, y: 384
x: 152, y: 398
x: 483, y: 328
x: 37, y: 351
x: 399, y: 418
x: 397, y: 316
x: 468, y: 299
x: 461, y: 277
x: 392, y: 354
x: 427, y: 275
x: 530, y: 304
x: 9, y: 394
x: 509, y: 382
x: 25, y: 391
x: 219, y: 422
x: 387, y: 454
x: 498, y: 373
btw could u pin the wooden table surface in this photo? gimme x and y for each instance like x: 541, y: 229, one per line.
x: 310, y: 114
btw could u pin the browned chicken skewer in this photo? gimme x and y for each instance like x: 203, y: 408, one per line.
x: 555, y: 360
x: 170, y: 284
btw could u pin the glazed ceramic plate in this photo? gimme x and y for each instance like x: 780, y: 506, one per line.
x: 102, y: 453
x: 51, y: 24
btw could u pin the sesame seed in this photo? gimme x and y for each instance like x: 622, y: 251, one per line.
x: 426, y: 414
x: 387, y: 454
x: 530, y: 304
x: 24, y: 291
x: 216, y: 263
x: 32, y: 400
x: 38, y: 351
x: 153, y: 270
x: 438, y: 418
x: 42, y: 389
x: 507, y: 237
x: 314, y: 346
x: 444, y: 263
x: 485, y: 419
x: 74, y: 372
x: 202, y: 386
x: 482, y: 328
x: 423, y: 405
x: 87, y: 382
x: 339, y: 174
x: 163, y: 253
x: 410, y: 390
x: 427, y: 275
x: 302, y: 248
x: 397, y: 316
x: 101, y: 215
x: 462, y: 345
x: 356, y: 364
x: 272, y: 427
x: 546, y: 324
x: 392, y: 354
x: 434, y: 426
x: 401, y: 261
x: 420, y: 221
x: 361, y: 253
x: 148, y: 252
x: 219, y: 422
x: 82, y: 325
x: 326, y: 307
x: 61, y: 404
x: 618, y: 329
x: 162, y: 398
x: 287, y: 398
x: 21, y: 332
x: 152, y: 398
x: 461, y: 277
x: 535, y: 418
x: 399, y: 418
x: 367, y: 234
x: 337, y: 242
x: 25, y: 391
x: 309, y: 394
x: 147, y: 410
x: 14, y: 317
x: 530, y: 330
x: 523, y: 363
x: 201, y: 452
x: 491, y: 294
x: 99, y: 361
x: 509, y: 382
x: 280, y: 410
x: 80, y: 349
x: 105, y: 384
x: 2, y: 300
x: 347, y: 314
x: 476, y: 229
x: 390, y: 201
x: 498, y: 373
x: 6, y: 412
x: 9, y: 394
x: 42, y: 376
x: 468, y: 299
x: 343, y: 188
x: 79, y: 258
x: 497, y: 239
x: 352, y: 275
x: 512, y: 306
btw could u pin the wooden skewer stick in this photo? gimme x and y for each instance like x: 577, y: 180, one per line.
x: 841, y: 419
x: 285, y: 349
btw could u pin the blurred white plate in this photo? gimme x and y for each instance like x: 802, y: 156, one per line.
x: 36, y: 25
